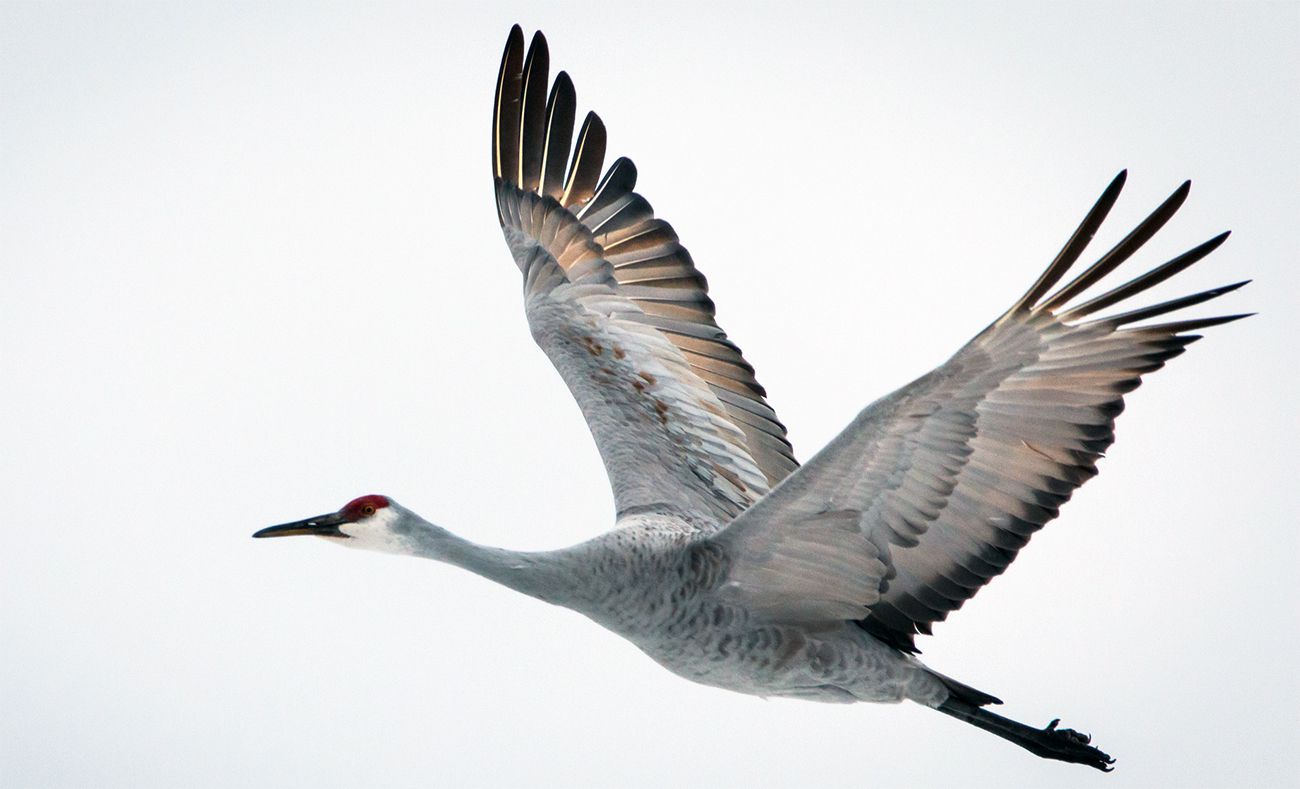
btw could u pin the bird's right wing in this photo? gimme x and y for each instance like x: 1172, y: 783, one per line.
x: 617, y: 304
x: 932, y: 490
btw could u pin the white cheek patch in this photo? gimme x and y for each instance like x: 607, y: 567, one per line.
x: 375, y: 534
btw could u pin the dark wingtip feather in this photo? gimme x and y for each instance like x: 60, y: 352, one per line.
x: 1115, y: 186
x: 505, y: 106
x: 1196, y: 323
x: 1217, y: 321
x: 1214, y: 293
x: 532, y: 113
x: 560, y: 109
x: 588, y: 156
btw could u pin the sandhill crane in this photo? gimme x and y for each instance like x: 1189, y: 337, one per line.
x: 729, y: 563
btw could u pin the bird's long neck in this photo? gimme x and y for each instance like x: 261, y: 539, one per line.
x: 537, y: 574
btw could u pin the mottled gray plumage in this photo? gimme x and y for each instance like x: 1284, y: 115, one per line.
x: 729, y: 564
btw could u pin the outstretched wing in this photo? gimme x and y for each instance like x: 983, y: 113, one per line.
x: 615, y: 301
x: 932, y: 490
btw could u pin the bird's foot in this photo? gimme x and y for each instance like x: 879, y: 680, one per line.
x: 1071, y: 746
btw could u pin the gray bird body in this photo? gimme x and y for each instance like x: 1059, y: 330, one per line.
x: 658, y: 581
x: 730, y: 564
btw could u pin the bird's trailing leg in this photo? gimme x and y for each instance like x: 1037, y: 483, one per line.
x: 1050, y: 742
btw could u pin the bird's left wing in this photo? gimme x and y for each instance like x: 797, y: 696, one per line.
x: 932, y: 490
x: 615, y: 301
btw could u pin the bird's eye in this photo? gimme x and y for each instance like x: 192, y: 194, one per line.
x: 368, y: 510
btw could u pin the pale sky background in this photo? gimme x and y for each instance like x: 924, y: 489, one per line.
x: 251, y: 269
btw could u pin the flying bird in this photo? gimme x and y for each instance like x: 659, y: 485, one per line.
x: 729, y: 563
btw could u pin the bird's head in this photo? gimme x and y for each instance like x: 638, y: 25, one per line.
x: 372, y: 522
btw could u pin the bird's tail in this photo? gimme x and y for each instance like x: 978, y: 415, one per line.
x: 963, y: 692
x: 1066, y: 745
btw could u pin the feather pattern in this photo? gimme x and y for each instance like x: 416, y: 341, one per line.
x: 617, y: 304
x: 952, y: 474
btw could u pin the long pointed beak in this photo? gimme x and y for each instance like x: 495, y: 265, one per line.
x: 320, y: 526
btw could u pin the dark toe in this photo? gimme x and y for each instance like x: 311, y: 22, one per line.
x: 1073, y: 746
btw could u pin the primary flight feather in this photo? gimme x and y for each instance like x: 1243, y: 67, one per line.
x: 729, y: 563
